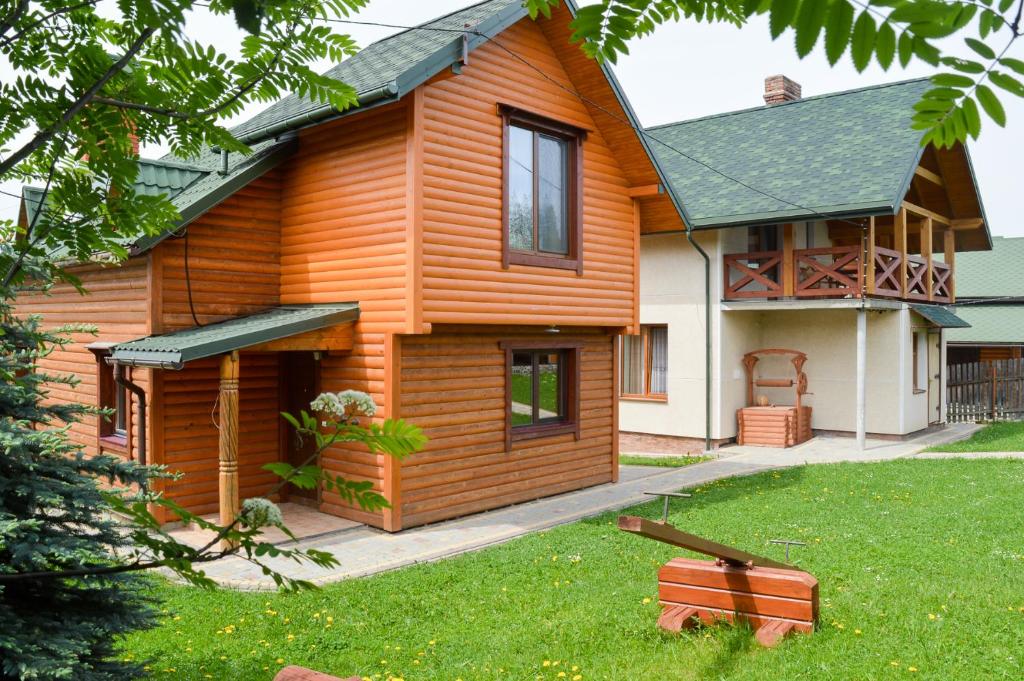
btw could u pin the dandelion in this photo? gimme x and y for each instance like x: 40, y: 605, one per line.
x: 280, y: 660
x: 931, y: 616
x: 646, y: 601
x: 911, y: 669
x: 577, y: 677
x: 857, y: 632
x: 546, y: 663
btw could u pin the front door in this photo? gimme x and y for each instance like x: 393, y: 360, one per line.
x: 300, y: 384
x: 934, y: 378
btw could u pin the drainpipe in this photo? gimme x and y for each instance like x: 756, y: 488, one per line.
x: 707, y: 338
x: 141, y: 394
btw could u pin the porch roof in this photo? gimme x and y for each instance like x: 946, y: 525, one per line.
x: 940, y: 316
x: 173, y: 350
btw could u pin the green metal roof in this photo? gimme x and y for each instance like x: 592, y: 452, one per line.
x: 939, y: 316
x: 173, y: 350
x: 389, y: 68
x: 847, y: 153
x: 991, y: 274
x: 989, y: 324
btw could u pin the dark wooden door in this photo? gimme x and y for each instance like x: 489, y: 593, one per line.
x: 300, y: 384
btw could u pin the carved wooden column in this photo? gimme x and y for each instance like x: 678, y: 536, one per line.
x: 229, y: 507
x: 788, y: 273
x: 869, y: 257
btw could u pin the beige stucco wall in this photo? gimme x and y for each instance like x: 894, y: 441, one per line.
x: 671, y: 292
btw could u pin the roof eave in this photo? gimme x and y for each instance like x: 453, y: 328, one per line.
x: 849, y: 212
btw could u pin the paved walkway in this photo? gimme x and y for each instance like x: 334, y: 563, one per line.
x: 364, y: 551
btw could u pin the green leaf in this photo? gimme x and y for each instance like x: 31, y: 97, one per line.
x: 809, y: 23
x: 981, y: 48
x: 991, y: 104
x: 1015, y: 64
x: 837, y: 30
x: 971, y: 117
x: 863, y: 44
x: 905, y: 47
x: 885, y: 45
x: 782, y: 14
x: 954, y: 80
x: 1007, y: 82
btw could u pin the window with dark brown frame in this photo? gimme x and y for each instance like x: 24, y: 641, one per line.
x: 113, y: 428
x: 541, y: 389
x: 645, y: 363
x: 542, y: 191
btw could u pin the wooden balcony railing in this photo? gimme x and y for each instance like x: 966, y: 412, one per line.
x: 753, y: 275
x: 836, y: 272
x: 828, y: 272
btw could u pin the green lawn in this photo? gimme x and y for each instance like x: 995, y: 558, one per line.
x: 920, y: 564
x: 1001, y: 436
x: 661, y: 461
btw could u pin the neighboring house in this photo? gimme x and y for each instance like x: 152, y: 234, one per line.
x: 463, y: 247
x: 816, y: 215
x: 990, y: 298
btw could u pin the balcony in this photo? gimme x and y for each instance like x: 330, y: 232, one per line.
x: 863, y: 270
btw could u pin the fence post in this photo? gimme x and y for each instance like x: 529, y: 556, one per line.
x: 992, y: 378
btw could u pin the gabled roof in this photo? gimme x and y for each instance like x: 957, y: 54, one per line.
x: 173, y: 350
x: 390, y: 68
x: 992, y: 274
x: 841, y: 154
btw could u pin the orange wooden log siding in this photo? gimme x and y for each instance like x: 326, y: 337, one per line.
x: 397, y: 208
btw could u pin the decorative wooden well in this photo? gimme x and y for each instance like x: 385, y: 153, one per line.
x: 774, y: 425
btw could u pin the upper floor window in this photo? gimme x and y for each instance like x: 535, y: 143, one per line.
x: 542, y: 192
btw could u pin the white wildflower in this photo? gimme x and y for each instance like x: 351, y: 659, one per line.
x: 259, y: 512
x: 345, y: 405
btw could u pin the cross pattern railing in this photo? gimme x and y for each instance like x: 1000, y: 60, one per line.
x: 942, y: 278
x: 835, y: 272
x: 832, y: 272
x: 887, y: 272
x: 753, y: 275
x: 917, y: 282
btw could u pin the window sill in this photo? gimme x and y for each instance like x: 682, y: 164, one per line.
x: 544, y: 430
x: 117, y: 443
x: 538, y: 260
x: 644, y: 398
x: 919, y: 391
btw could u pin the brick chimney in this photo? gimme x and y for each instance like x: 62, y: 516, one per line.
x: 779, y: 89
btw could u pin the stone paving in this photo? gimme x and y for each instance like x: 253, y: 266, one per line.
x: 364, y: 551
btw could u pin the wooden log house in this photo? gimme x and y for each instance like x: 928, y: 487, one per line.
x: 463, y: 246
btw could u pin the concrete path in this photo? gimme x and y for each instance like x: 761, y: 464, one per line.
x: 365, y: 551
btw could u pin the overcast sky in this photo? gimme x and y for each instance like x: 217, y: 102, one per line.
x: 687, y: 70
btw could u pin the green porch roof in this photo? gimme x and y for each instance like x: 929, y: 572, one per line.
x: 842, y: 154
x: 992, y: 274
x: 939, y: 316
x: 173, y: 350
x: 989, y: 324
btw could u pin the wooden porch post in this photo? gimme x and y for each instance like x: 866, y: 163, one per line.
x: 788, y: 275
x: 228, y: 450
x: 869, y: 257
x: 926, y: 253
x: 900, y: 237
x: 862, y: 370
x: 949, y: 246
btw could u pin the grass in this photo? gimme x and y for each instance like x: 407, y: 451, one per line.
x: 1001, y: 436
x: 662, y: 461
x: 920, y: 564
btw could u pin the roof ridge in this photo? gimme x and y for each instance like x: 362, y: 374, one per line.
x: 172, y: 164
x: 766, y: 107
x: 420, y: 26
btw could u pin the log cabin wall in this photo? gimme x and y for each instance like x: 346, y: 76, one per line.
x: 343, y: 238
x: 234, y: 267
x: 452, y: 384
x: 463, y: 279
x: 116, y: 304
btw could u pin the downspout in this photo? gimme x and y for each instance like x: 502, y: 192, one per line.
x: 141, y: 394
x: 707, y: 338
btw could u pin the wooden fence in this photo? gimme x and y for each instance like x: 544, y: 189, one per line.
x: 985, y: 391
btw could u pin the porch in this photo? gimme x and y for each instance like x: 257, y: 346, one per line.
x: 888, y: 257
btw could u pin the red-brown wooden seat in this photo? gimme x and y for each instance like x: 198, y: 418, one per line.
x: 296, y: 673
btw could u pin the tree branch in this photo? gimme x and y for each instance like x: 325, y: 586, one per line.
x: 13, y: 16
x: 7, y: 42
x: 43, y: 136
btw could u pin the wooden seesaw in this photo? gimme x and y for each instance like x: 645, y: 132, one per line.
x: 775, y: 598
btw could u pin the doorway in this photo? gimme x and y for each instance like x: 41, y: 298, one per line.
x: 300, y: 383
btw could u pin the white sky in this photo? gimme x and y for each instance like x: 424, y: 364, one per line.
x: 687, y: 70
